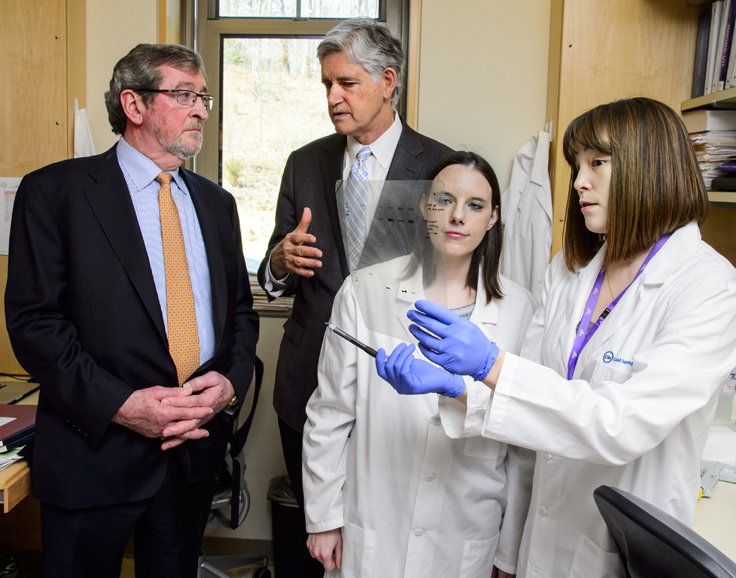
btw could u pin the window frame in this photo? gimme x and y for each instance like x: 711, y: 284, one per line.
x: 208, y: 34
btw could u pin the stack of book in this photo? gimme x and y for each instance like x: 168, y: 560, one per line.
x: 713, y: 133
x: 17, y: 426
x: 280, y: 306
x: 715, y: 54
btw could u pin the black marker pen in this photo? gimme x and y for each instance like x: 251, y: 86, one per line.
x: 369, y: 350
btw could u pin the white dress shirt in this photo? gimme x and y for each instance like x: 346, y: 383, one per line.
x: 376, y: 165
x: 140, y: 174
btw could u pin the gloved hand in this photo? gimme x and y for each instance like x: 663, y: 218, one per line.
x: 462, y: 348
x: 409, y: 375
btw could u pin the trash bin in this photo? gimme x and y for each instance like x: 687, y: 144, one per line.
x: 291, y: 558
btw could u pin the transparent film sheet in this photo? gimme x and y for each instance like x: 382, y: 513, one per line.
x: 398, y: 251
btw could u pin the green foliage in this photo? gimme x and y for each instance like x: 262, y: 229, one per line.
x: 273, y: 102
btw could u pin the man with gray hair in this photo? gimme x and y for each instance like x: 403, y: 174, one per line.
x: 128, y: 300
x: 363, y: 73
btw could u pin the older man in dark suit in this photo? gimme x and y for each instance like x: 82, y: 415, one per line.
x: 128, y: 299
x: 362, y: 70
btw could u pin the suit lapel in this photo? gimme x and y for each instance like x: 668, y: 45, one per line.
x: 406, y: 165
x: 109, y: 197
x: 207, y: 217
x: 331, y: 165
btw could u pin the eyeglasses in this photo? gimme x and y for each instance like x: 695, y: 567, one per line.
x: 183, y: 97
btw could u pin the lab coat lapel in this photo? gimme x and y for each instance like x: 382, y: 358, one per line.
x: 577, y: 299
x: 109, y: 197
x: 632, y: 305
x: 484, y: 315
x: 409, y: 292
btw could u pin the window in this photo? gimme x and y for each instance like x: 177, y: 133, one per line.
x: 262, y: 66
x: 298, y: 8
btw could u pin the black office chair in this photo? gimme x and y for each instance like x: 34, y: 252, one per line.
x: 232, y: 495
x: 652, y: 543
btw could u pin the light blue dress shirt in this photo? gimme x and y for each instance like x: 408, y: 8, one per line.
x: 140, y: 174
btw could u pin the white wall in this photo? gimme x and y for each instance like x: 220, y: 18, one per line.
x: 483, y: 75
x: 113, y: 28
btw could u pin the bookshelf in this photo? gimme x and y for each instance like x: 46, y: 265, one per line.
x: 723, y: 99
x: 646, y: 48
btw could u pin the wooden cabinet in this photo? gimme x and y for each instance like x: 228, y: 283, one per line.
x: 604, y: 50
x: 42, y: 71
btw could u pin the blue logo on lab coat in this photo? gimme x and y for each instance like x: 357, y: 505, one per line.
x: 609, y: 356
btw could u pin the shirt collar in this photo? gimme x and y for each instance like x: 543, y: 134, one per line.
x: 142, y: 170
x: 382, y: 148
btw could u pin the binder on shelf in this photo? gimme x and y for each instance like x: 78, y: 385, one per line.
x: 729, y: 14
x: 724, y: 183
x: 718, y: 57
x: 714, y: 38
x: 715, y: 24
x: 701, y: 53
x: 702, y: 120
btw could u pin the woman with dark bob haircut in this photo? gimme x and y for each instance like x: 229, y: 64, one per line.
x: 619, y: 374
x: 386, y: 492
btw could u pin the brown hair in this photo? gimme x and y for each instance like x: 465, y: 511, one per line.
x: 656, y: 185
x: 487, y: 254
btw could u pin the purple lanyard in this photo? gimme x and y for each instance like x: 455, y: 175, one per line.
x: 583, y: 335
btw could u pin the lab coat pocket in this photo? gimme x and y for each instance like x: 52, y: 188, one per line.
x: 478, y: 558
x: 590, y: 560
x: 483, y: 448
x: 359, y: 547
x: 606, y: 371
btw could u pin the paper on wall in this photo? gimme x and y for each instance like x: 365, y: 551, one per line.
x: 8, y: 187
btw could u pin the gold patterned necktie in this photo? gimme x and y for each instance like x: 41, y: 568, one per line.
x: 180, y: 313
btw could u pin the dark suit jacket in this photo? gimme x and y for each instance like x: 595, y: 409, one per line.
x: 309, y: 181
x: 84, y: 320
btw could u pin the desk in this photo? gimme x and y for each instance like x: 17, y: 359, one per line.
x: 15, y: 484
x: 15, y: 480
x: 715, y: 518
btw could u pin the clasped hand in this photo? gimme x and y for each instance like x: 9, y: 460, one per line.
x: 176, y: 414
x: 460, y: 346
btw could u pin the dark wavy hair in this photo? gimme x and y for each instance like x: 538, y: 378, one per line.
x: 141, y: 68
x: 656, y: 185
x: 487, y: 254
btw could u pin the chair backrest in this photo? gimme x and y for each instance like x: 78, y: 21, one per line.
x: 232, y: 489
x: 652, y: 543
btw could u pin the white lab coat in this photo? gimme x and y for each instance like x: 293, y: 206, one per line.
x: 526, y: 215
x: 636, y: 414
x: 411, y: 501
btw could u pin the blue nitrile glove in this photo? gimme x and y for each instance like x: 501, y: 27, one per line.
x: 462, y: 348
x: 409, y: 375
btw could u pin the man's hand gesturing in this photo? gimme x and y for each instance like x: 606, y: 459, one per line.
x: 292, y: 255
